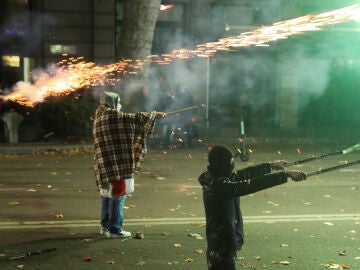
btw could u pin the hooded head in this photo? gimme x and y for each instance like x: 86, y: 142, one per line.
x: 110, y: 100
x: 221, y: 162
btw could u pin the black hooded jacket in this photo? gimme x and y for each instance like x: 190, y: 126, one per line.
x: 224, y: 224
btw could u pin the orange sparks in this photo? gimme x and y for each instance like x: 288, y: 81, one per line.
x: 74, y: 73
x: 190, y: 156
x: 279, y: 152
x: 298, y: 151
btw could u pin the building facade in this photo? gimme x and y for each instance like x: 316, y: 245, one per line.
x: 260, y: 84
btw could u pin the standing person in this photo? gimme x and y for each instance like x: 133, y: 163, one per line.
x: 221, y: 190
x: 119, y: 149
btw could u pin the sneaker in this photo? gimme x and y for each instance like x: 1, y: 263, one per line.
x: 103, y: 231
x: 122, y: 234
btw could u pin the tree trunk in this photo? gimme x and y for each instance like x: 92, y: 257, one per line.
x: 137, y: 29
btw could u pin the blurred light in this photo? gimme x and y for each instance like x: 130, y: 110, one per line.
x: 11, y: 60
x: 165, y: 7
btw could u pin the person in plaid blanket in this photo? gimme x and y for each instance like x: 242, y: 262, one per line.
x: 119, y: 149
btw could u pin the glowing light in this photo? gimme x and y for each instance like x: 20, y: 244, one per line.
x: 74, y: 74
x: 165, y: 7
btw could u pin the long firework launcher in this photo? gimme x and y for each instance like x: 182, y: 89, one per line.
x: 333, y: 168
x: 186, y: 109
x: 31, y: 253
x: 353, y: 148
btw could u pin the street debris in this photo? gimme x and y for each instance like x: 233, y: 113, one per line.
x: 332, y: 265
x: 329, y: 223
x: 343, y: 253
x: 13, y: 203
x: 139, y: 235
x: 281, y: 262
x: 141, y: 263
x: 196, y: 236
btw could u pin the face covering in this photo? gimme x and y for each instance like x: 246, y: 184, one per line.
x: 111, y: 100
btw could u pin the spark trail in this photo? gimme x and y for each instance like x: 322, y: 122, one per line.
x: 73, y: 74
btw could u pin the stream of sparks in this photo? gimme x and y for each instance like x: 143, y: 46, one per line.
x: 73, y: 74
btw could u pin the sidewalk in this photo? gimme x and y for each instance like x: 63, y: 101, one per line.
x: 26, y: 148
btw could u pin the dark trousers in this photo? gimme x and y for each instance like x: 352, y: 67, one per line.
x: 217, y: 262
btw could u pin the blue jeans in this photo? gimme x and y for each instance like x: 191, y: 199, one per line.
x: 112, y: 213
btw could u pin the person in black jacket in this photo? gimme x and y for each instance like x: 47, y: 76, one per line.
x: 221, y: 191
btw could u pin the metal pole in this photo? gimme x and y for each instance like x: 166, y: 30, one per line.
x: 207, y: 92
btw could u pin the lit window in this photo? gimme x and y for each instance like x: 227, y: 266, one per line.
x: 62, y: 49
x: 11, y: 60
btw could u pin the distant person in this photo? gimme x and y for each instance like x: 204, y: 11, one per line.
x: 221, y: 190
x: 119, y: 149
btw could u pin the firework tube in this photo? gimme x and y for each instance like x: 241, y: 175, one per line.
x: 32, y: 253
x: 186, y: 109
x: 333, y: 168
x: 343, y: 152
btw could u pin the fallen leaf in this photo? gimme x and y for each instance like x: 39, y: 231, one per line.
x: 13, y: 203
x: 199, y: 251
x: 284, y: 245
x: 257, y: 258
x: 88, y: 240
x: 189, y: 260
x: 196, y: 236
x: 20, y: 266
x: 284, y: 262
x: 343, y: 253
x: 329, y: 223
x: 177, y: 245
x: 141, y: 263
x: 110, y: 262
x: 59, y: 215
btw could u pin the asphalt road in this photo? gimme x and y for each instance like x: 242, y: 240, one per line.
x: 49, y: 201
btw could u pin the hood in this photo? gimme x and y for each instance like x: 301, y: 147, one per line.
x: 110, y: 100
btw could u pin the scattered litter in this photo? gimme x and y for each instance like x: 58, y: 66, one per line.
x: 139, y: 235
x: 343, y: 253
x: 196, y: 236
x: 329, y: 223
x: 13, y: 203
x: 332, y: 265
x: 141, y: 263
